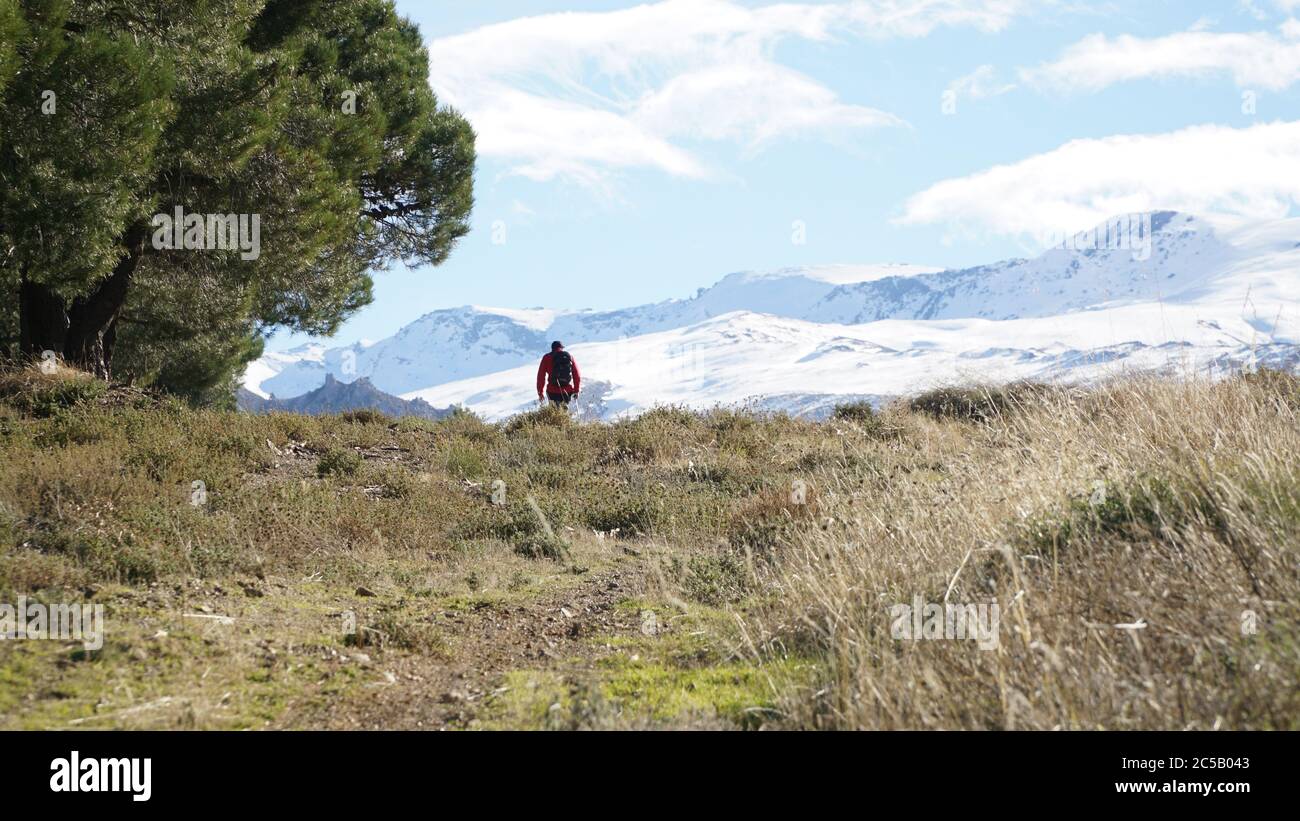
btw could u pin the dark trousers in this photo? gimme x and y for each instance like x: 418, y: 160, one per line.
x: 559, y: 398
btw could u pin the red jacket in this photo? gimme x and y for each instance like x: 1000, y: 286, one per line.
x: 544, y: 374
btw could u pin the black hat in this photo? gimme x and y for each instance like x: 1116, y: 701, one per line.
x: 556, y: 345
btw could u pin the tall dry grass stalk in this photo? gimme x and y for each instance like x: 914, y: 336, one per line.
x: 1139, y: 539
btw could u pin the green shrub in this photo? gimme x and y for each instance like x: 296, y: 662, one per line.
x: 631, y: 441
x: 68, y: 427
x: 365, y: 416
x: 123, y: 560
x: 717, y: 472
x: 551, y: 476
x: 976, y: 404
x: 860, y: 412
x: 161, y: 458
x: 547, y: 415
x: 241, y: 446
x: 469, y: 425
x: 740, y: 433
x: 415, y: 424
x: 44, y: 398
x: 629, y: 511
x: 295, y: 427
x: 712, y: 579
x: 338, y: 462
x: 669, y: 416
x: 766, y: 521
x: 521, y: 524
x: 465, y: 460
x: 1146, y: 508
x: 396, y: 481
x: 396, y: 630
x: 543, y: 545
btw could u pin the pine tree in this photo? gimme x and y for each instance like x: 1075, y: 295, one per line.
x: 314, y: 115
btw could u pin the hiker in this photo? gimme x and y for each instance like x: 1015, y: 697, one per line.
x: 562, y: 372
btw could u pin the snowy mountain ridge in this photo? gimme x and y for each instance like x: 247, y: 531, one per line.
x: 1185, y: 293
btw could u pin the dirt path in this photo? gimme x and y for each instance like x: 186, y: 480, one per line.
x: 432, y: 692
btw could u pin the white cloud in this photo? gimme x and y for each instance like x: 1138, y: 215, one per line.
x: 545, y: 137
x: 751, y: 104
x: 580, y: 95
x: 1285, y: 6
x: 1251, y: 172
x: 1253, y: 60
x: 980, y: 83
x: 1249, y: 7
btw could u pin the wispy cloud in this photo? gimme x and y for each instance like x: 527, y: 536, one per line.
x: 580, y: 95
x: 1252, y: 8
x: 1250, y: 172
x: 981, y: 83
x: 751, y: 104
x: 1261, y: 60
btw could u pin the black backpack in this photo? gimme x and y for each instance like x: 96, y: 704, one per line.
x: 561, y: 369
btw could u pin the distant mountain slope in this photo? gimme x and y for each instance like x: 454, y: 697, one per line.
x: 778, y: 363
x: 1180, y: 253
x: 336, y: 397
x: 1187, y: 293
x: 456, y: 343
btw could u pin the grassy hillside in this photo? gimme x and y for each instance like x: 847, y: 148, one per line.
x: 682, y: 569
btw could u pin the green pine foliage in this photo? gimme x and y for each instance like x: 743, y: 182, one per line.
x: 316, y: 116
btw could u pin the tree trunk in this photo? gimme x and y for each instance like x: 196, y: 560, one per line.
x: 84, y: 331
x: 42, y: 319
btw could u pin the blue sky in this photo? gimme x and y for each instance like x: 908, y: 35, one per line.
x: 631, y: 153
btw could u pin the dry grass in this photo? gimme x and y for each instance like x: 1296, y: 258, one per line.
x: 1171, y: 508
x: 1170, y: 505
x: 154, y: 508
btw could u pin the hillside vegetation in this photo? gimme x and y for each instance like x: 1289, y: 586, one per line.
x: 678, y: 570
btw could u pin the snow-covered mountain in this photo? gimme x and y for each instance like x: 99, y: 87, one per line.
x: 456, y: 343
x: 1165, y: 254
x: 1178, y: 293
